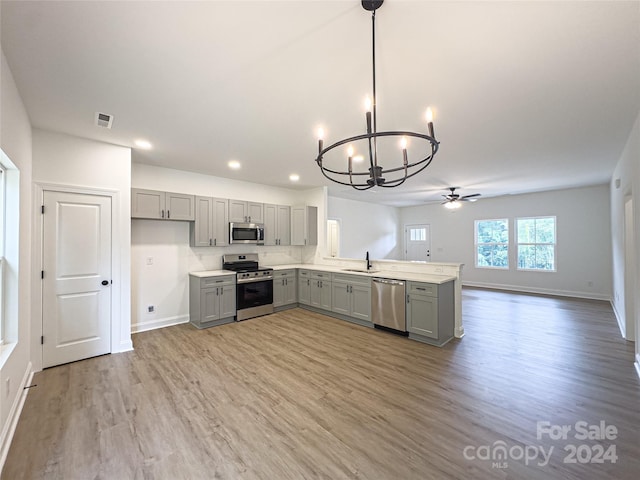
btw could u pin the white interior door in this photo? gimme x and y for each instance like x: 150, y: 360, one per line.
x: 76, y: 318
x: 417, y: 243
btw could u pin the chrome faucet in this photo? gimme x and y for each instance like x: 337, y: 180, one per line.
x: 368, y: 263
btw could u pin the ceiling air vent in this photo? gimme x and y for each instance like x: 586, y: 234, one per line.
x: 104, y: 120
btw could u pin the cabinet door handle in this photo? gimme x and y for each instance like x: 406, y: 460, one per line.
x: 168, y: 216
x: 210, y: 242
x: 162, y: 213
x: 215, y: 241
x: 407, y: 298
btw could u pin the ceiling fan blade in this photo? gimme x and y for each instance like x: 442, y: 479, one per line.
x: 472, y: 195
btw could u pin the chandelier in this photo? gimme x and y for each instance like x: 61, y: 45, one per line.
x: 374, y: 174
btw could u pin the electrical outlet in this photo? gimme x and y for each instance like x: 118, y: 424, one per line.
x: 438, y: 269
x: 151, y: 309
x: 149, y: 260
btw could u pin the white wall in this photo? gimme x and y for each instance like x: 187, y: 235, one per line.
x: 15, y: 366
x: 583, y: 240
x: 627, y: 173
x: 63, y: 161
x: 165, y: 283
x: 365, y: 228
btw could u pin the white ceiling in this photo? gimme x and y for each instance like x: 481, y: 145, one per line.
x: 528, y: 96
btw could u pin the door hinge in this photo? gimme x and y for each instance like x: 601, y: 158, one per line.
x: 41, y: 273
x: 42, y: 340
x: 42, y: 209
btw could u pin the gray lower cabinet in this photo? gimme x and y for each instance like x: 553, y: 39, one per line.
x: 284, y: 288
x: 320, y: 291
x: 304, y: 287
x: 212, y: 300
x: 430, y: 312
x: 314, y: 289
x: 351, y: 296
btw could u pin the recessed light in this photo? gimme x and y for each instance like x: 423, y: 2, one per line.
x: 294, y: 177
x: 234, y: 164
x: 144, y: 144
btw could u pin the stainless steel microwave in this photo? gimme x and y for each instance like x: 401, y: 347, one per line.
x: 246, y: 233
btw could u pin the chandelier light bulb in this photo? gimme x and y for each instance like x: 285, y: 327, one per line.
x: 403, y: 143
x: 367, y: 104
x: 320, y: 133
x: 350, y: 151
x: 429, y: 115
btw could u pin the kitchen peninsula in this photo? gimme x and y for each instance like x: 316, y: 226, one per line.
x: 342, y: 288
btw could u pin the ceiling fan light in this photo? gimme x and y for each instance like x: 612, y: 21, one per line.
x: 452, y: 205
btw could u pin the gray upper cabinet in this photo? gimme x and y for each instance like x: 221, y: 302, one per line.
x: 154, y: 204
x: 277, y: 224
x: 211, y: 226
x: 304, y: 225
x: 245, y: 212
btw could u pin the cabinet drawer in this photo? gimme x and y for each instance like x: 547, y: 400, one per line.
x: 321, y: 275
x: 430, y: 289
x: 217, y: 281
x: 351, y: 279
x: 304, y: 273
x: 284, y: 274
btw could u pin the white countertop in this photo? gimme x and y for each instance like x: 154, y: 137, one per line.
x: 392, y: 274
x: 211, y: 273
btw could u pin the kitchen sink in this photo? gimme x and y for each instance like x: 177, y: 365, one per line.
x: 359, y: 270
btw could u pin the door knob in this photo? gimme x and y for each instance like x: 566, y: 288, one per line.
x: 105, y: 282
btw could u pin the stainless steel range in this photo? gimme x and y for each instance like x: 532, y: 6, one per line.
x: 254, y: 285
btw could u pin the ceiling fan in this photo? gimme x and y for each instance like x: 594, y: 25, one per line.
x: 452, y: 200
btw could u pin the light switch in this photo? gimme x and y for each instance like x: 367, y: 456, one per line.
x: 149, y: 260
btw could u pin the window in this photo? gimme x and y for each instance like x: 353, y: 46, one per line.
x: 492, y: 243
x: 2, y: 261
x: 9, y: 251
x: 536, y: 243
x: 418, y: 234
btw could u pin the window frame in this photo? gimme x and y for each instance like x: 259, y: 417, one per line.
x: 535, y: 244
x: 3, y: 189
x: 493, y: 244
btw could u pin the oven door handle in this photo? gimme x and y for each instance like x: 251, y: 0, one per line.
x: 254, y: 280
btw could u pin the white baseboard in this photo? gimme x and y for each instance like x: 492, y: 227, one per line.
x: 459, y: 332
x: 126, y: 346
x: 620, y: 320
x: 539, y: 291
x: 158, y: 323
x: 11, y: 424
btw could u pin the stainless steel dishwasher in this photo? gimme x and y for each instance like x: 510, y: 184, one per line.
x: 388, y: 305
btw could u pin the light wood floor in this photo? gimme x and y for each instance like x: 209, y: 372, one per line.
x: 298, y: 395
